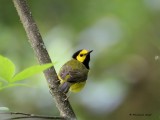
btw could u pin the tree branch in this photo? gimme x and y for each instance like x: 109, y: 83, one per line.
x: 26, y: 115
x: 40, y: 51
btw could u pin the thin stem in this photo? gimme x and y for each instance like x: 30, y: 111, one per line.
x: 26, y: 115
x: 41, y: 117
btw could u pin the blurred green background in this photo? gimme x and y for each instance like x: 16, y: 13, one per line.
x: 124, y: 80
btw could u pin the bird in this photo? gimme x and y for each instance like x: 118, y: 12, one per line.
x: 74, y: 73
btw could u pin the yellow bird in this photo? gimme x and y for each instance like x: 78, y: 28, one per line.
x: 73, y: 74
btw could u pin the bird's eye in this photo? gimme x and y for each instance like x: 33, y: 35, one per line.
x: 81, y: 55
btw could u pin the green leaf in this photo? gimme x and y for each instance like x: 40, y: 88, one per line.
x: 7, y: 68
x: 28, y: 72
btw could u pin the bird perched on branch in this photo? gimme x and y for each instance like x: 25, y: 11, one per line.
x: 73, y: 74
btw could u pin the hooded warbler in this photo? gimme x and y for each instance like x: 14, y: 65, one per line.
x: 73, y: 74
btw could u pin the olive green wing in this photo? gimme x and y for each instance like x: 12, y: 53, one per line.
x: 64, y: 72
x: 73, y: 71
x: 77, y: 75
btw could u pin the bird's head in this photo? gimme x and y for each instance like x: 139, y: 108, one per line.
x: 83, y: 56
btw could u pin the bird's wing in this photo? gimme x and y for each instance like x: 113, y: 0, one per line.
x: 72, y: 73
x: 77, y: 76
x: 65, y: 72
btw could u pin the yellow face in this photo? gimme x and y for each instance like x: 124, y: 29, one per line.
x: 82, y: 55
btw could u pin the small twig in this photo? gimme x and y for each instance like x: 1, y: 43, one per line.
x: 41, y: 117
x: 26, y: 115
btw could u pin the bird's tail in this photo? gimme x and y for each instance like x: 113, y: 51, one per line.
x: 64, y: 87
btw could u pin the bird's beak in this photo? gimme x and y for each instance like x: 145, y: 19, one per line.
x: 90, y: 51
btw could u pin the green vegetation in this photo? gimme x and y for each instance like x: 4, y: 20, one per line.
x: 9, y: 78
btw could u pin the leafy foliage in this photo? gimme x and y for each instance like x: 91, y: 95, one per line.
x: 29, y: 72
x: 7, y: 68
x: 7, y: 73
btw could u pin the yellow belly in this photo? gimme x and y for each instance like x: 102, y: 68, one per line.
x: 77, y: 87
